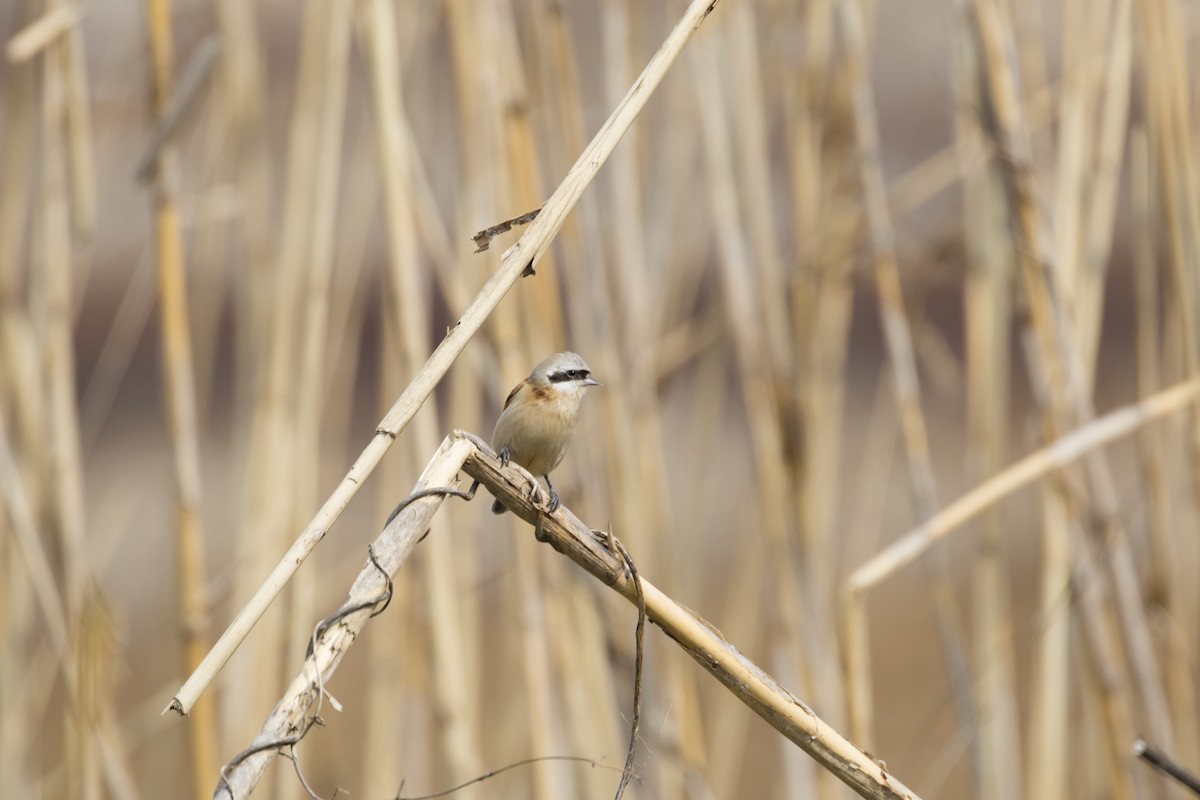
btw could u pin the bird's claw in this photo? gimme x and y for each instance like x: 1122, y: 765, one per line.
x: 554, y: 503
x: 505, y: 456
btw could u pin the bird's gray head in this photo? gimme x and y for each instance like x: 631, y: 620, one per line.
x: 564, y: 371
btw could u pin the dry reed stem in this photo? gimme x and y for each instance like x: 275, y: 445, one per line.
x: 390, y: 549
x: 452, y: 669
x: 52, y: 283
x: 755, y: 380
x: 80, y: 159
x: 536, y: 326
x: 528, y: 249
x: 1105, y: 661
x: 42, y: 32
x: 19, y: 106
x: 563, y: 531
x: 1167, y: 571
x: 59, y: 601
x: 898, y: 338
x: 37, y: 562
x: 180, y: 397
x: 269, y: 491
x: 909, y: 548
x: 1049, y: 740
x: 1114, y: 121
x: 317, y: 270
x: 406, y: 325
x: 1170, y: 148
x: 782, y: 710
x: 1057, y: 357
x: 1054, y: 456
x: 988, y: 328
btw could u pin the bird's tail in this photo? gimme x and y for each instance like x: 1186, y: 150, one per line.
x: 498, y: 507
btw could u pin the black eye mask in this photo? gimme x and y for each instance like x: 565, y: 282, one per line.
x: 569, y: 375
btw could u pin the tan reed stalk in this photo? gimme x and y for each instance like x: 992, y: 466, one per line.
x: 452, y: 672
x: 80, y: 157
x: 1104, y: 658
x: 180, y: 397
x: 19, y: 105
x: 741, y: 610
x: 534, y: 327
x: 84, y: 674
x: 1166, y: 62
x: 270, y: 472
x: 1166, y: 582
x: 898, y: 338
x: 1152, y: 452
x: 211, y: 221
x: 634, y: 318
x: 1170, y: 147
x: 1058, y: 361
x: 607, y: 342
x: 756, y: 385
x: 317, y: 269
x: 741, y: 603
x: 1098, y: 231
x: 1047, y: 759
x: 89, y: 738
x: 616, y: 332
x: 389, y: 699
x: 1048, y: 748
x: 24, y: 389
x: 821, y: 299
x: 1074, y: 146
x: 243, y: 104
x: 753, y: 151
x: 987, y: 311
x: 580, y: 656
x: 63, y: 476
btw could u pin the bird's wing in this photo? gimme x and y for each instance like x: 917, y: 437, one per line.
x: 512, y: 394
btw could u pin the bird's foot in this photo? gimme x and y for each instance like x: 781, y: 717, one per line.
x: 554, y: 504
x: 505, y: 456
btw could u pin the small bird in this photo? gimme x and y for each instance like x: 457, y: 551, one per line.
x: 539, y: 416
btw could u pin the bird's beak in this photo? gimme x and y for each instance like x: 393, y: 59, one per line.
x: 592, y: 382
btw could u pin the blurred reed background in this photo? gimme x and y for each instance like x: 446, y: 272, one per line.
x: 852, y: 260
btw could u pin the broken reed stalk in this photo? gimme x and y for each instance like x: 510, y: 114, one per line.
x: 568, y: 535
x: 527, y: 251
x: 179, y: 392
